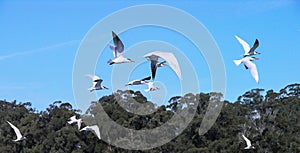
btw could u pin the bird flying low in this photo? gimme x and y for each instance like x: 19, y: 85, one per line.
x: 94, y: 128
x: 138, y: 82
x: 17, y: 131
x: 74, y: 120
x: 118, y: 51
x: 249, y: 65
x: 248, y: 51
x: 96, y: 83
x: 168, y: 57
x: 248, y: 142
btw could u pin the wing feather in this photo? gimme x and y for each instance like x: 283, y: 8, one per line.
x: 119, y: 46
x: 17, y: 131
x: 170, y: 58
x: 244, y: 44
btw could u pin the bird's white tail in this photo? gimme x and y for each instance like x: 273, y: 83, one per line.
x: 91, y: 89
x: 146, y: 90
x: 237, y: 62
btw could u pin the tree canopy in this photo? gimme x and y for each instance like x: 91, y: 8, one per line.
x: 269, y: 119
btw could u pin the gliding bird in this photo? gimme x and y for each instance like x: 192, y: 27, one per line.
x: 138, y: 82
x: 18, y: 133
x: 248, y: 51
x: 169, y: 57
x: 249, y: 65
x: 96, y: 83
x: 118, y: 50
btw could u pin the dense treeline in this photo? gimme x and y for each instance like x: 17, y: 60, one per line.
x: 269, y: 119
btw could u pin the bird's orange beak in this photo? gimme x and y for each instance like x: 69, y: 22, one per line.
x: 132, y: 61
x: 256, y: 58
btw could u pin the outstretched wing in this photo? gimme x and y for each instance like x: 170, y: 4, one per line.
x: 79, y: 123
x: 97, y: 83
x: 170, y: 58
x: 119, y: 46
x: 147, y: 78
x: 17, y: 131
x: 248, y: 142
x: 72, y: 119
x: 255, y: 45
x: 95, y: 128
x: 113, y: 49
x: 244, y: 44
x: 153, y: 68
x: 252, y: 68
x: 93, y: 77
x: 161, y: 63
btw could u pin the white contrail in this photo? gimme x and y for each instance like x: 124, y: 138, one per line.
x: 38, y: 50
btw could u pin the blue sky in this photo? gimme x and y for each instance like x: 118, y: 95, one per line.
x: 40, y: 41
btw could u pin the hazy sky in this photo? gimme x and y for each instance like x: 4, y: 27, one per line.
x: 39, y: 42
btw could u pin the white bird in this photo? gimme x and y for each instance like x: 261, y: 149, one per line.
x: 248, y: 142
x: 248, y: 51
x: 138, y: 82
x: 96, y: 83
x: 249, y: 65
x: 118, y: 50
x: 169, y: 57
x: 18, y: 133
x: 151, y: 87
x: 73, y: 120
x: 95, y: 128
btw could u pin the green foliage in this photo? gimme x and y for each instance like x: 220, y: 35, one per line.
x: 270, y: 121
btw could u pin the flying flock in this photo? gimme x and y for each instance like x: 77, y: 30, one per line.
x: 153, y: 57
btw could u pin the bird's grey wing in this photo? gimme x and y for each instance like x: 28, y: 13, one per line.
x: 171, y: 59
x: 97, y: 83
x: 113, y: 49
x: 153, y: 68
x: 147, y: 78
x: 255, y: 45
x: 119, y: 46
x: 137, y: 82
x: 162, y: 62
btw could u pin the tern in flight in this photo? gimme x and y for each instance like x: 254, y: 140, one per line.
x: 168, y: 57
x: 18, y: 133
x: 248, y: 142
x: 248, y: 51
x: 138, y: 82
x: 118, y: 50
x: 249, y: 65
x: 73, y: 120
x: 96, y: 83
